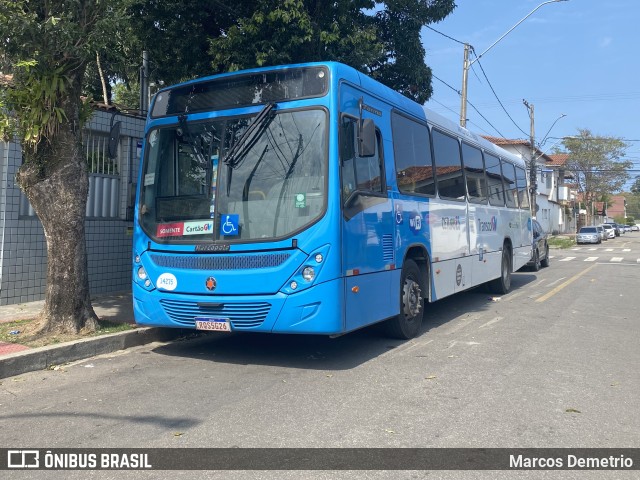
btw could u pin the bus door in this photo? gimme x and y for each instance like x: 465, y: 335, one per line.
x: 367, y: 221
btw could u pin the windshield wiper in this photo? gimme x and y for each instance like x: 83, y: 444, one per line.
x: 235, y: 154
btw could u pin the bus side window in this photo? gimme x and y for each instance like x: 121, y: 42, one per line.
x: 510, y: 188
x: 494, y: 179
x: 412, y: 152
x: 362, y: 174
x: 474, y: 173
x: 446, y: 151
x: 523, y: 193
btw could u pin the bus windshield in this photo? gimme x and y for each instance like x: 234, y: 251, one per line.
x: 235, y: 179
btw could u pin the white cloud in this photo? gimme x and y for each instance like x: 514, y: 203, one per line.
x: 606, y: 42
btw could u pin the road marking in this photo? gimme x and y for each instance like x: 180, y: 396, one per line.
x: 591, y: 259
x: 567, y: 259
x: 568, y: 282
x: 593, y: 249
x: 608, y: 249
x: 616, y: 259
x: 626, y: 249
x: 491, y: 322
x: 557, y: 281
x: 576, y: 249
x: 458, y: 342
x: 405, y: 347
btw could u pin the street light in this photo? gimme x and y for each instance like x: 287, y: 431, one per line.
x: 467, y: 64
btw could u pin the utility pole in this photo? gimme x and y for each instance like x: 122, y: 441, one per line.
x: 465, y: 80
x: 144, y: 84
x: 533, y: 176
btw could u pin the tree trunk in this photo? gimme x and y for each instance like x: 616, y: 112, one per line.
x: 105, y: 95
x: 55, y: 180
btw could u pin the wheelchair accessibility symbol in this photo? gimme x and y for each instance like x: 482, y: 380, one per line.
x: 229, y: 224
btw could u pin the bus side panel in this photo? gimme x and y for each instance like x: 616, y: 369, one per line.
x: 451, y: 265
x: 370, y: 298
x: 486, y: 240
x: 367, y: 232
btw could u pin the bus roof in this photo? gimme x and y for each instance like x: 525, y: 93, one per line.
x: 384, y: 93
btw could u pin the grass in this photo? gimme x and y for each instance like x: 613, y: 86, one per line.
x: 561, y: 242
x: 22, y: 326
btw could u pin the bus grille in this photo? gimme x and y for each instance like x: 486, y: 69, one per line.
x: 241, y: 315
x: 387, y: 248
x: 221, y: 262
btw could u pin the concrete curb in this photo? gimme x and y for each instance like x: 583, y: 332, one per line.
x: 43, y: 357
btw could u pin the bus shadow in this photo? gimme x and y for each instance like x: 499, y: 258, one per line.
x: 317, y: 352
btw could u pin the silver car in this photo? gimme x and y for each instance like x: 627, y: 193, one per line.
x: 603, y: 233
x: 588, y: 235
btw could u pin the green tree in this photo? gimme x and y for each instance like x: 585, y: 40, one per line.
x: 204, y: 37
x: 378, y: 38
x: 47, y: 46
x: 597, y: 164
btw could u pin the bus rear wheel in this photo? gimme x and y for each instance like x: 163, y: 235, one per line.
x: 407, y: 324
x: 502, y: 284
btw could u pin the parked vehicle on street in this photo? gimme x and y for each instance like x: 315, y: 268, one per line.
x: 588, y: 235
x: 611, y: 232
x: 540, y: 247
x: 264, y: 206
x: 603, y: 233
x: 635, y: 228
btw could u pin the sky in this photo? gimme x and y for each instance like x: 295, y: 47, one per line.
x: 575, y: 57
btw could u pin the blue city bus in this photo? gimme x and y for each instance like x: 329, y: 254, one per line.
x: 312, y: 199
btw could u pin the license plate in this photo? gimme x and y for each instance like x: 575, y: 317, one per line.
x: 213, y: 324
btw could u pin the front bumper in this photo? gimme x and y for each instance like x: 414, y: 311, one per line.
x: 312, y: 311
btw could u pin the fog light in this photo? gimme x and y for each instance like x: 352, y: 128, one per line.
x: 293, y: 285
x: 147, y: 283
x: 142, y: 273
x: 308, y: 274
x: 319, y: 258
x: 137, y: 258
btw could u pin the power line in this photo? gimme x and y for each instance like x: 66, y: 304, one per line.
x: 472, y: 105
x: 494, y: 92
x: 445, y: 35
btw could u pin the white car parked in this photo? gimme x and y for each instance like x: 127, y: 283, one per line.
x: 611, y: 233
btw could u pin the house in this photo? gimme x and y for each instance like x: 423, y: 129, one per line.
x: 616, y: 207
x: 109, y: 214
x: 552, y: 195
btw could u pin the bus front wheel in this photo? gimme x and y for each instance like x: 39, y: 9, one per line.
x: 407, y: 324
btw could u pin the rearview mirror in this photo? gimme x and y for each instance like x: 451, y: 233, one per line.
x: 367, y: 138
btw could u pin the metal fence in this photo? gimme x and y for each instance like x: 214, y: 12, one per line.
x: 104, y: 179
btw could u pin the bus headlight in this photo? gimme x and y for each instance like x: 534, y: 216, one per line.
x: 308, y: 274
x: 142, y: 273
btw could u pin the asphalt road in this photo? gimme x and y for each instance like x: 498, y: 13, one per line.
x: 555, y: 363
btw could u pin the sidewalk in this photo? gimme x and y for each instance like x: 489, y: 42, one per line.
x: 16, y: 359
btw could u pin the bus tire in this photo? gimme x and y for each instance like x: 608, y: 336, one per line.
x: 407, y: 323
x: 502, y: 284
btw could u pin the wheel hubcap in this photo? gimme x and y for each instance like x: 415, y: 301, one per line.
x: 411, y: 296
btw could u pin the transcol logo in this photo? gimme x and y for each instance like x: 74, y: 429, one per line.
x: 490, y: 226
